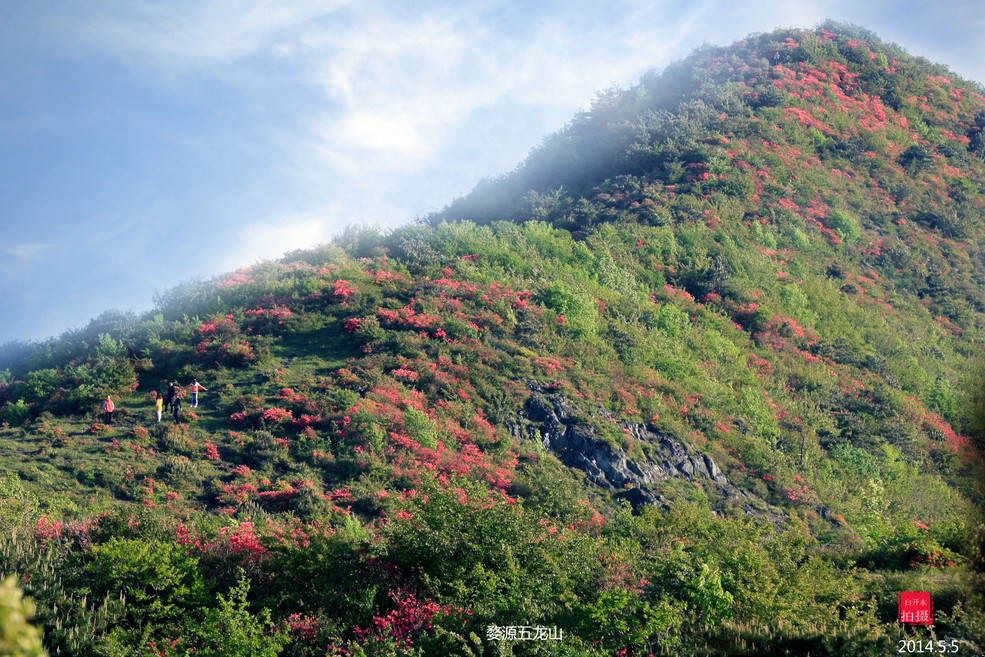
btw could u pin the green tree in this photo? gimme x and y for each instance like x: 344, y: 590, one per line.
x: 230, y: 630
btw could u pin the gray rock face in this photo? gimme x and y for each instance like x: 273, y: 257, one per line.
x: 554, y: 422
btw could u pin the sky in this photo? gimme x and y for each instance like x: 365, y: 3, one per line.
x: 145, y: 143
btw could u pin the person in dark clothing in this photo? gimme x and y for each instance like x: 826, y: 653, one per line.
x: 176, y: 408
x: 169, y: 399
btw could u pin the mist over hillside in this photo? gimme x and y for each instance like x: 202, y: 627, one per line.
x: 699, y: 377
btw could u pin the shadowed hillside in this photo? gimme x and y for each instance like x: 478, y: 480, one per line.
x: 699, y: 377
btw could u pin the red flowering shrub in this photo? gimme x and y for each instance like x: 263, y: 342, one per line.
x: 409, y: 617
x: 404, y: 373
x: 276, y: 415
x: 342, y: 290
x: 46, y: 530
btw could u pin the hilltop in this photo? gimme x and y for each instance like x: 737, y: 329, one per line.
x: 698, y: 377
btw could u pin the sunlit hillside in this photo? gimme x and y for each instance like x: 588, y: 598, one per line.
x: 698, y: 378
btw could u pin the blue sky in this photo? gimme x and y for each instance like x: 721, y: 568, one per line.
x: 144, y: 143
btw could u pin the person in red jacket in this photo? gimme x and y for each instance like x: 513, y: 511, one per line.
x: 195, y: 387
x: 109, y: 407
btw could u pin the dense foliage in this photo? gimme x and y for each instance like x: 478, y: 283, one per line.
x: 770, y: 252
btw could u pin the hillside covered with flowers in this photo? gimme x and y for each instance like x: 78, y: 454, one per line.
x: 702, y: 376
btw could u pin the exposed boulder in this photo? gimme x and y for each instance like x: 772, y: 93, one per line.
x: 554, y: 421
x: 558, y: 424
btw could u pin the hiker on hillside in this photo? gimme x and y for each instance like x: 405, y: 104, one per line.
x: 169, y: 399
x: 176, y: 408
x: 159, y: 406
x: 109, y: 407
x: 195, y: 387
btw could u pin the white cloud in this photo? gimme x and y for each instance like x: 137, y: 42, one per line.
x: 219, y: 30
x: 16, y: 259
x: 417, y: 109
x: 275, y: 235
x: 400, y: 89
x: 402, y: 92
x: 392, y: 86
x: 25, y: 251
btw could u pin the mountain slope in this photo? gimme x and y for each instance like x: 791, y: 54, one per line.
x: 698, y: 377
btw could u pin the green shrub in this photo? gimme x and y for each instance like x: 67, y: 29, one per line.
x: 421, y: 428
x: 159, y: 579
x: 845, y: 225
x: 16, y: 413
x: 17, y: 637
x: 231, y: 630
x: 179, y: 470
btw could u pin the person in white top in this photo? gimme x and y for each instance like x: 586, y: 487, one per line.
x: 195, y: 387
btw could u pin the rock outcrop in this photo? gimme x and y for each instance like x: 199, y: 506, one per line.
x: 558, y: 424
x: 553, y: 420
